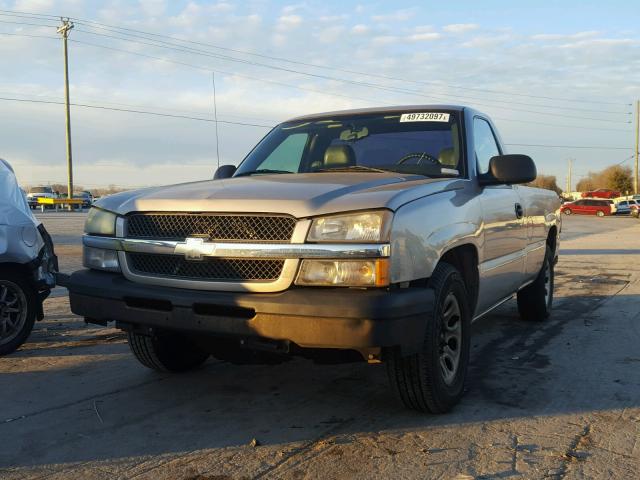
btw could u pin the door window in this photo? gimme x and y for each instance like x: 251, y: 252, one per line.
x: 485, y: 144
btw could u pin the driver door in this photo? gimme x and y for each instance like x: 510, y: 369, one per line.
x: 502, y: 263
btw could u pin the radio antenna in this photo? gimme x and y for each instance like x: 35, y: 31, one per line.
x: 215, y: 116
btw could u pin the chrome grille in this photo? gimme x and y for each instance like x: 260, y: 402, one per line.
x: 212, y: 269
x: 228, y: 228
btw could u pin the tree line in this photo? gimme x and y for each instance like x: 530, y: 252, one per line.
x: 615, y: 177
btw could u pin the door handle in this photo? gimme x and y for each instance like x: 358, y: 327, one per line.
x: 519, y: 211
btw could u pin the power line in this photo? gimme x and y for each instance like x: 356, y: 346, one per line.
x: 268, y: 126
x: 199, y: 67
x: 193, y: 51
x: 144, y: 112
x: 366, y: 84
x: 566, y: 146
x: 27, y: 35
x: 21, y: 23
x: 493, y: 117
x: 145, y: 35
x: 351, y: 97
x: 216, y: 70
x: 135, y: 106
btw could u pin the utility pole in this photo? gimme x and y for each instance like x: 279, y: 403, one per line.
x: 569, y: 183
x: 635, y: 170
x: 64, y: 30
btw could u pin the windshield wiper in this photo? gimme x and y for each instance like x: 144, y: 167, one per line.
x: 260, y: 171
x: 353, y: 168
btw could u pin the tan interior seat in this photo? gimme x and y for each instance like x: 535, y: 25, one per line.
x: 339, y: 156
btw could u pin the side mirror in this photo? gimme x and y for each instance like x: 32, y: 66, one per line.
x: 225, y: 171
x: 509, y: 169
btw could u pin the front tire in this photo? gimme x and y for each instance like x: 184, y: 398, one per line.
x: 433, y: 379
x: 18, y: 307
x: 567, y: 211
x: 535, y: 300
x: 166, y: 351
x: 600, y: 213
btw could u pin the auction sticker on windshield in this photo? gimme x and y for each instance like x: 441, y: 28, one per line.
x: 424, y: 117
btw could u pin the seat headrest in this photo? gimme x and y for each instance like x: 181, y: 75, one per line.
x: 448, y: 158
x: 339, y: 156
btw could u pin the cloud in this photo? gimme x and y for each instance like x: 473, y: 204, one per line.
x: 153, y: 8
x: 426, y: 36
x: 288, y: 22
x: 398, y: 16
x: 460, y: 27
x: 486, y: 41
x: 561, y: 63
x: 331, y: 34
x: 360, y: 29
x: 382, y: 40
x: 35, y: 6
x: 287, y: 9
x: 564, y: 36
x: 601, y: 42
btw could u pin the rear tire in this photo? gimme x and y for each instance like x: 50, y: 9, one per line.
x: 433, y: 379
x: 600, y: 213
x: 18, y: 309
x: 166, y: 351
x: 535, y: 300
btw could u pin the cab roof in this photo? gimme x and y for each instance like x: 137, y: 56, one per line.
x: 374, y: 110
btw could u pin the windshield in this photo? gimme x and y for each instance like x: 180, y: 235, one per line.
x: 41, y: 190
x: 425, y: 143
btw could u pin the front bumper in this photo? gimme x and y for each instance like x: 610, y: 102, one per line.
x: 309, y: 317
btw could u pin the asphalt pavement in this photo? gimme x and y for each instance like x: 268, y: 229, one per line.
x: 558, y: 399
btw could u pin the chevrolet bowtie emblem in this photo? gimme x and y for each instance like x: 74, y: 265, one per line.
x: 194, y: 248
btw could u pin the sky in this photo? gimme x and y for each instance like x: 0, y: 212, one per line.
x: 558, y: 74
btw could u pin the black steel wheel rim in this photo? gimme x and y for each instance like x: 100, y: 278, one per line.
x: 13, y: 311
x: 450, y: 339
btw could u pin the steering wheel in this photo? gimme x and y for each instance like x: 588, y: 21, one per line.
x: 420, y: 156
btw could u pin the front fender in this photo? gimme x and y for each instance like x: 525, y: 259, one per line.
x: 424, y: 230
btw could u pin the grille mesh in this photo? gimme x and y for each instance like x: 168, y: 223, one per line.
x: 217, y: 269
x: 232, y: 228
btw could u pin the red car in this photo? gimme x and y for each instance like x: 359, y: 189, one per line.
x: 587, y: 206
x: 635, y: 211
x: 601, y: 193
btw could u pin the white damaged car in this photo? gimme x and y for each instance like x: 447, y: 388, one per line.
x: 27, y: 264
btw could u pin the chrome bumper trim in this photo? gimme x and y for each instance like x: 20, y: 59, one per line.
x: 244, y: 250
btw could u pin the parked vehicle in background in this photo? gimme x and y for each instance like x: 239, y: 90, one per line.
x: 27, y: 264
x: 587, y: 206
x: 87, y: 195
x: 601, y: 193
x: 376, y: 234
x: 623, y: 207
x: 37, y: 192
x: 87, y: 199
x: 634, y: 210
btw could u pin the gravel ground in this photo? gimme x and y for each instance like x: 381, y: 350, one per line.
x: 560, y: 399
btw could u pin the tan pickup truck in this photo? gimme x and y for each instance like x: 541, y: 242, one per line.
x: 375, y: 234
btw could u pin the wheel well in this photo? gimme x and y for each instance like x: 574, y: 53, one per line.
x: 15, y: 268
x: 465, y: 259
x: 552, y: 239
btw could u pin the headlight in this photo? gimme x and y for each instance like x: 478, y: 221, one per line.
x: 100, y: 222
x: 344, y: 273
x: 352, y: 227
x: 100, y: 259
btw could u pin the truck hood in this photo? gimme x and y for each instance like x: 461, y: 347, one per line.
x: 300, y: 195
